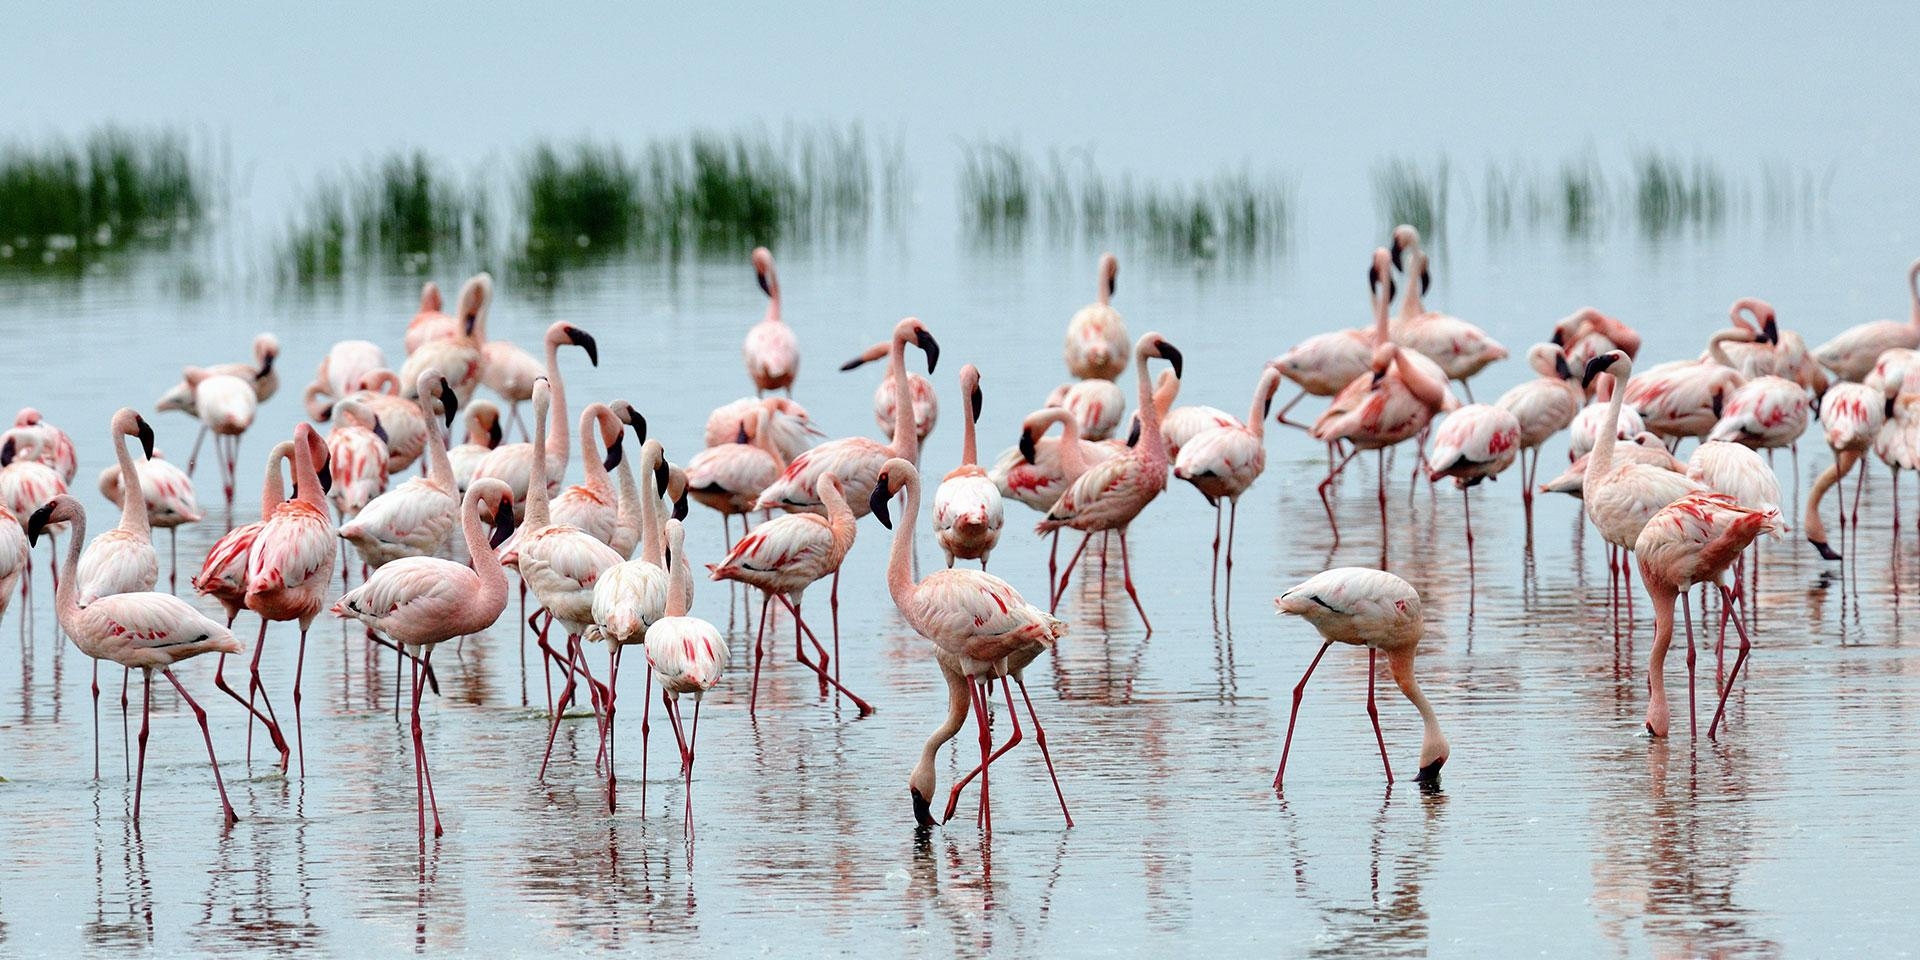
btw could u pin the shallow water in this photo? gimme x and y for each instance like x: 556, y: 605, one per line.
x: 1560, y: 828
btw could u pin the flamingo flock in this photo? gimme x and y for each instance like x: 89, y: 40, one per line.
x: 606, y: 563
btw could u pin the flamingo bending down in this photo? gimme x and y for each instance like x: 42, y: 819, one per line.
x: 147, y: 631
x: 1222, y: 463
x: 420, y: 602
x: 981, y: 628
x: 484, y: 435
x: 790, y: 427
x: 1851, y: 415
x: 770, y: 350
x: 926, y: 401
x: 1476, y: 442
x: 1379, y: 611
x: 1543, y: 407
x: 1693, y: 540
x: 686, y: 654
x: 514, y: 461
x: 1112, y: 493
x: 1851, y: 355
x: 289, y: 568
x: 1096, y: 346
x: 967, y: 510
x: 415, y: 518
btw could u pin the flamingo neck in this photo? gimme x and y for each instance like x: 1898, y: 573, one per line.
x: 680, y: 585
x: 1382, y: 298
x: 959, y: 704
x: 1073, y: 459
x: 1715, y: 349
x: 590, y: 452
x: 1424, y: 388
x: 1152, y: 449
x: 1601, y: 458
x: 1433, y: 743
x: 66, y: 600
x: 306, y: 479
x: 652, y: 525
x: 557, y: 441
x: 900, y: 581
x: 969, y: 449
x: 133, y: 497
x: 480, y: 552
x: 906, y: 442
x: 271, y: 490
x: 1262, y: 397
x: 1410, y: 304
x: 536, y: 511
x: 439, y: 468
x: 627, y: 500
x: 840, y: 517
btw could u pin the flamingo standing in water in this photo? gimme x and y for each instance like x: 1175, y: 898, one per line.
x: 1099, y: 405
x: 1693, y: 540
x: 1476, y: 442
x: 926, y: 401
x: 1852, y: 354
x: 1096, y: 347
x: 484, y: 435
x: 1179, y: 425
x: 1737, y: 471
x: 1039, y: 469
x: 1222, y: 463
x: 686, y: 655
x: 420, y: 602
x: 26, y: 484
x: 791, y: 429
x: 1898, y: 446
x: 340, y: 371
x: 400, y: 420
x: 1543, y: 406
x: 1379, y: 611
x: 514, y: 461
x: 979, y: 624
x: 730, y: 477
x: 260, y: 373
x: 966, y: 506
x: 771, y: 352
x: 37, y: 440
x: 631, y: 596
x: 456, y: 355
x: 170, y: 502
x: 289, y: 568
x: 593, y: 505
x: 1852, y: 415
x: 1323, y: 364
x: 1112, y: 493
x: 120, y: 560
x: 1460, y: 348
x: 785, y: 556
x: 415, y: 518
x: 144, y: 631
x: 226, y: 406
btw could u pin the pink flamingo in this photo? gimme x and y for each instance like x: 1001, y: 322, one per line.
x: 484, y: 435
x: 926, y: 402
x: 260, y: 373
x: 771, y: 352
x: 631, y: 596
x: 792, y: 430
x: 1591, y: 419
x: 340, y: 371
x: 1112, y: 493
x: 1323, y: 364
x: 1543, y: 406
x: 979, y: 624
x: 458, y: 355
x: 26, y: 484
x: 592, y: 505
x: 1222, y: 463
x: 785, y: 556
x: 415, y: 518
x: 357, y: 452
x: 120, y: 560
x: 1096, y: 347
x: 1621, y: 497
x: 1379, y: 611
x: 430, y: 322
x: 966, y: 506
x: 1644, y: 448
x: 289, y: 567
x: 1851, y: 355
x: 1178, y: 425
x: 399, y: 417
x: 144, y: 631
x: 1040, y: 469
x: 686, y: 654
x: 627, y: 530
x: 37, y: 440
x: 730, y: 477
x: 1587, y: 333
x: 1851, y: 415
x: 170, y: 502
x: 1740, y: 473
x: 1693, y: 540
x: 226, y: 406
x: 1099, y: 405
x: 1476, y: 442
x: 1684, y: 398
x: 14, y: 556
x: 420, y: 602
x: 514, y: 461
x: 1766, y: 412
x: 1460, y: 348
x: 1898, y: 445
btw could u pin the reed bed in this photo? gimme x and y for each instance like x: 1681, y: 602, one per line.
x: 116, y: 187
x: 1407, y: 191
x: 1658, y: 194
x: 400, y: 212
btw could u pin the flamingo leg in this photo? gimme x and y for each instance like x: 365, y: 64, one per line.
x: 256, y: 687
x: 613, y: 690
x: 1040, y: 738
x: 1281, y: 417
x: 1686, y: 610
x: 126, y: 755
x: 693, y: 737
x: 1216, y: 546
x: 833, y: 601
x: 146, y: 720
x: 1126, y: 574
x: 299, y: 735
x: 1053, y: 561
x: 1072, y: 562
x: 1373, y: 713
x: 759, y: 654
x: 193, y: 456
x: 96, y: 719
x: 1299, y: 691
x: 986, y: 758
x: 553, y: 728
x: 220, y: 683
x: 424, y: 663
x: 1326, y: 499
x: 953, y: 795
x: 1233, y: 518
x: 1740, y: 657
x: 800, y: 625
x: 646, y: 709
x: 199, y: 714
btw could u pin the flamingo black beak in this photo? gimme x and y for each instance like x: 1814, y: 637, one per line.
x: 760, y: 277
x: 1770, y: 333
x: 1266, y: 407
x: 266, y: 366
x: 1133, y: 432
x: 325, y: 473
x: 614, y: 453
x: 922, y: 811
x: 680, y: 508
x: 660, y: 475
x: 494, y: 435
x: 1027, y: 449
x: 380, y: 431
x: 449, y: 401
x: 502, y: 524
x: 878, y: 502
x: 325, y: 415
x: 1429, y: 775
x: 1558, y: 339
x: 146, y: 438
x: 740, y: 434
x: 37, y: 524
x: 1426, y: 281
x: 1172, y: 354
x: 853, y: 364
x: 930, y: 346
x: 1378, y: 375
x: 585, y: 341
x: 1595, y: 367
x: 1560, y: 366
x: 6, y: 453
x: 669, y: 556
x: 1113, y: 281
x: 1393, y: 250
x: 639, y: 424
x: 1826, y: 552
x: 978, y: 397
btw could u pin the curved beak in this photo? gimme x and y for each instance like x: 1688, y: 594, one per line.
x: 1172, y: 355
x: 1027, y: 447
x: 449, y: 401
x: 37, y: 524
x: 326, y: 475
x: 1595, y: 367
x: 639, y: 424
x: 660, y: 475
x: 760, y: 276
x: 585, y: 341
x: 680, y: 508
x: 878, y: 502
x: 1560, y: 366
x: 853, y: 364
x: 380, y: 431
x: 146, y: 438
x: 1393, y: 250
x: 266, y: 366
x: 502, y: 523
x: 614, y: 452
x: 6, y: 452
x: 978, y: 397
x: 931, y: 347
x: 1558, y: 339
x: 1133, y: 433
x: 922, y: 811
x: 494, y: 435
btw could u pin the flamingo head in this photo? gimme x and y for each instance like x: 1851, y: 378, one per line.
x: 763, y: 270
x: 474, y: 297
x: 1109, y: 276
x: 895, y: 474
x: 483, y: 424
x: 1153, y: 345
x: 1380, y: 274
x: 1404, y: 237
x: 266, y: 349
x: 58, y: 510
x: 970, y: 387
x: 911, y: 330
x: 1603, y: 363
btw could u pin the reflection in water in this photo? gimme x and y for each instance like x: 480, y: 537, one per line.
x: 1391, y: 919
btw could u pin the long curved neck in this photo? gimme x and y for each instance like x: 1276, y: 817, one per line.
x: 557, y: 440
x: 906, y: 441
x: 680, y: 585
x: 66, y: 601
x: 133, y: 497
x: 773, y: 295
x: 653, y: 546
x: 840, y: 517
x: 1424, y: 388
x: 959, y: 702
x: 1410, y: 305
x: 306, y: 478
x: 439, y: 468
x: 1433, y: 743
x: 1073, y: 459
x: 1602, y: 457
x: 536, y: 511
x: 900, y: 581
x: 1718, y: 353
x: 272, y: 490
x: 596, y: 469
x: 1262, y: 396
x: 1381, y: 300
x: 1152, y: 448
x: 628, y: 498
x: 969, y: 449
x: 480, y: 552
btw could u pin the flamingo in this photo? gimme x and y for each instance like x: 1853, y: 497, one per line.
x: 1323, y: 364
x: 120, y: 560
x: 36, y: 439
x: 223, y: 574
x: 289, y: 567
x: 14, y: 557
x: 357, y: 453
x: 170, y: 502
x: 1852, y: 415
x: 145, y: 631
x: 1543, y: 407
x: 456, y: 356
x: 26, y: 484
x: 1096, y: 347
x: 484, y: 435
x: 926, y: 402
x: 415, y: 518
x: 514, y: 461
x: 419, y: 602
x: 1379, y: 611
x: 226, y: 406
x: 1898, y: 445
x: 1112, y: 493
x: 1767, y: 413
x: 730, y: 477
x: 629, y: 596
x: 1620, y: 498
x: 627, y: 531
x: 1460, y: 348
x: 1587, y: 333
x: 1693, y: 540
x: 1737, y: 471
x: 686, y: 655
x: 1476, y: 442
x: 1099, y: 405
x: 560, y: 564
x: 399, y: 418
x: 785, y: 556
x: 1851, y: 355
x: 340, y: 371
x: 770, y: 350
x: 509, y: 370
x: 1222, y: 463
x: 430, y: 322
x: 1178, y: 425
x: 260, y: 373
x: 591, y: 505
x: 1643, y: 448
x: 1039, y: 470
x: 792, y: 430
x: 1684, y: 398
x: 966, y: 505
x: 979, y: 624
x: 1587, y: 424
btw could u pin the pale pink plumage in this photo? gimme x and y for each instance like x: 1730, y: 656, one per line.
x: 1097, y: 342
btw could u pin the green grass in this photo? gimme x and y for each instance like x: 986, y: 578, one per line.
x: 399, y: 212
x: 1670, y: 193
x: 61, y: 200
x: 1404, y: 191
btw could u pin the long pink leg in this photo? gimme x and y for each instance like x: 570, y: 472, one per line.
x: 96, y: 719
x: 1040, y: 737
x: 1067, y: 574
x: 833, y: 601
x: 673, y: 716
x: 255, y: 686
x: 1333, y: 470
x: 693, y: 737
x: 1373, y: 713
x: 953, y: 796
x: 646, y: 710
x: 553, y: 728
x: 1686, y: 610
x: 1299, y: 691
x: 1053, y: 560
x: 1126, y: 573
x: 986, y: 759
x: 419, y: 761
x: 1216, y: 546
x: 613, y: 691
x: 1739, y: 657
x: 220, y: 683
x: 299, y: 735
x: 799, y: 651
x: 759, y: 654
x: 1466, y: 507
x: 1233, y: 519
x: 425, y: 665
x: 126, y: 755
x: 146, y: 720
x: 800, y: 625
x: 200, y: 715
